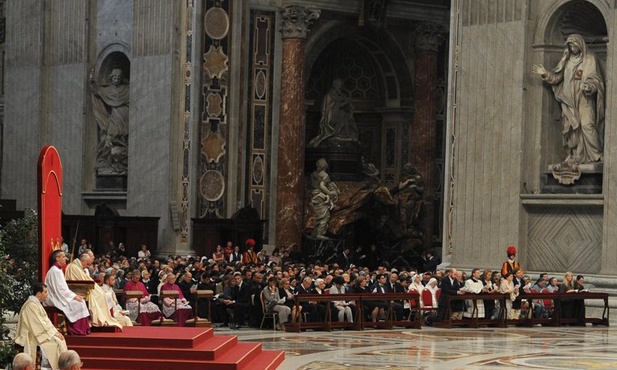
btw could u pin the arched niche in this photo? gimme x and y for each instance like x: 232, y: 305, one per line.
x: 376, y: 75
x: 114, y: 60
x: 110, y: 160
x: 563, y: 18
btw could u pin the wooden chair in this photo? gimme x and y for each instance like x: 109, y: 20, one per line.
x: 549, y: 305
x: 137, y: 295
x: 173, y: 294
x: 200, y: 321
x: 57, y: 318
x: 427, y: 302
x: 267, y: 314
x: 412, y: 305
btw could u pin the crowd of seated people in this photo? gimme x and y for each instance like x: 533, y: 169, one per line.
x: 244, y: 281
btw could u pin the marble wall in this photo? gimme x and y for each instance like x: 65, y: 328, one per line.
x: 485, y: 121
x: 44, y: 94
x: 151, y: 113
x: 501, y: 139
x: 50, y: 50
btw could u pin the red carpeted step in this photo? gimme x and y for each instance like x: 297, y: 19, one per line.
x: 241, y: 356
x: 266, y: 360
x: 145, y: 336
x: 209, y: 350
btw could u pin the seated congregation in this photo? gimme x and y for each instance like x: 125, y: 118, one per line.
x: 234, y: 288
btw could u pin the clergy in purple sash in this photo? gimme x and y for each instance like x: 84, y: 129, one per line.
x: 177, y: 309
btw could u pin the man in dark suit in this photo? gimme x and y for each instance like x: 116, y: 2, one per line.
x: 241, y: 300
x: 451, y: 285
x: 236, y: 255
x: 431, y: 263
x: 344, y: 259
x: 314, y: 310
x: 393, y: 286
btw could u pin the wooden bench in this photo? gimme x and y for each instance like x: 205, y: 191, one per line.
x: 502, y: 317
x: 359, y: 320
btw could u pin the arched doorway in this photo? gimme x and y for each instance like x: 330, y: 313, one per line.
x: 376, y: 76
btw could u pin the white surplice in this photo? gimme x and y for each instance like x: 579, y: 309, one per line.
x: 61, y: 297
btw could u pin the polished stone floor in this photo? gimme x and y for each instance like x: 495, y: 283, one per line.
x: 430, y: 348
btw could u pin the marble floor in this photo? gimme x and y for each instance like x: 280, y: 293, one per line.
x: 430, y: 348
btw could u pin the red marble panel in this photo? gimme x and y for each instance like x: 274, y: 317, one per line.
x: 290, y: 188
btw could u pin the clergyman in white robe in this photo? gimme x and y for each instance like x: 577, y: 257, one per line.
x: 35, y: 329
x: 101, y: 314
x: 61, y: 297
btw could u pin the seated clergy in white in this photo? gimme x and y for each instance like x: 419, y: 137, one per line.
x: 119, y: 314
x: 60, y: 296
x: 35, y: 329
x: 475, y: 286
x: 97, y: 301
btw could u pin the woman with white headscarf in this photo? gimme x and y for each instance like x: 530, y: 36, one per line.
x: 433, y: 288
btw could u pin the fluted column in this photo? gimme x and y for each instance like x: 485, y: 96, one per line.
x: 423, y: 130
x: 290, y: 185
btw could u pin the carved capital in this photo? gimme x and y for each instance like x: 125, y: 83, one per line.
x: 429, y: 36
x: 296, y: 20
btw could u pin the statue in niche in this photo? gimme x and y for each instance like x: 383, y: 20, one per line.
x: 408, y: 199
x: 578, y: 84
x: 111, y: 111
x: 337, y: 120
x: 324, y: 193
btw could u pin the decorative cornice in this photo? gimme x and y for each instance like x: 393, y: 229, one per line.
x: 429, y: 36
x: 296, y: 20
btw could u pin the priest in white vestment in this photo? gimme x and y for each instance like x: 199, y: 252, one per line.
x: 60, y: 296
x: 35, y: 329
x: 119, y: 313
x: 97, y: 299
x: 474, y: 285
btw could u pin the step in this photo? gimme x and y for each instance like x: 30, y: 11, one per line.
x: 145, y: 336
x: 210, y: 350
x: 238, y: 357
x: 266, y: 360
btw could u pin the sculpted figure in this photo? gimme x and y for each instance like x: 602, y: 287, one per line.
x: 324, y: 193
x: 408, y: 196
x: 336, y: 117
x: 578, y: 85
x: 111, y: 110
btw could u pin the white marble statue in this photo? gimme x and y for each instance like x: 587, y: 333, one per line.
x: 336, y: 117
x: 578, y: 85
x: 111, y: 110
x: 324, y: 193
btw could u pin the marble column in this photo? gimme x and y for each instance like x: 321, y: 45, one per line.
x: 290, y: 177
x: 423, y: 130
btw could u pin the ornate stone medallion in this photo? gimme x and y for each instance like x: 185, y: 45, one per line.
x: 217, y: 23
x: 212, y: 185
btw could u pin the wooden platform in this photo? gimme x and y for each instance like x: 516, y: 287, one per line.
x: 171, y: 348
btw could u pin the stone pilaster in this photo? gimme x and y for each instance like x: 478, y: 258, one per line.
x: 290, y: 185
x: 423, y: 130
